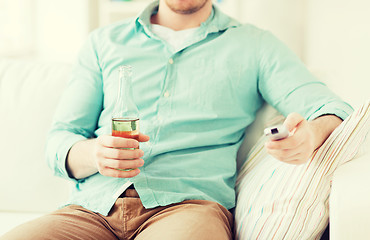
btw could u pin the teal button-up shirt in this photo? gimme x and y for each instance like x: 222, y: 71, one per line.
x: 195, y: 103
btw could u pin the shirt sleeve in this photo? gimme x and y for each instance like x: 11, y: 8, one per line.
x: 287, y: 85
x: 77, y: 114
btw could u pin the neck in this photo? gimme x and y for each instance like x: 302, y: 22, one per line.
x: 178, y: 21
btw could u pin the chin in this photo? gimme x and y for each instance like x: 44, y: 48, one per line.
x: 186, y: 6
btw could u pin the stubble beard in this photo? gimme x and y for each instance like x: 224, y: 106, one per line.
x: 186, y: 9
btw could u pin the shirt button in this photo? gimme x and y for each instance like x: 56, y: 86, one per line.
x: 166, y: 94
x: 170, y: 61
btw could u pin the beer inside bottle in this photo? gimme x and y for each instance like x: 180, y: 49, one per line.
x: 125, y: 127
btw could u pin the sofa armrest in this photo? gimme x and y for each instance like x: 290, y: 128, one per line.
x: 350, y: 198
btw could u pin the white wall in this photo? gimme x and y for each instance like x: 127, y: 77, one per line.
x: 284, y: 18
x: 49, y: 30
x: 62, y: 27
x: 17, y: 26
x: 338, y: 46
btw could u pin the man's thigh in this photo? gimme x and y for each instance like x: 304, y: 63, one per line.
x: 193, y: 219
x: 71, y: 222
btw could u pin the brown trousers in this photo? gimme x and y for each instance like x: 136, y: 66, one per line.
x: 128, y: 219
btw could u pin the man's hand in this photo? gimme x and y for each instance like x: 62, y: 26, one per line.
x: 113, y: 161
x: 305, y: 139
x: 106, y: 156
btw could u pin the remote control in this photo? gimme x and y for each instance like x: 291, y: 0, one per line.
x: 277, y: 132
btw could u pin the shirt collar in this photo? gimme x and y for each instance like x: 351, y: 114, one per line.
x: 217, y: 21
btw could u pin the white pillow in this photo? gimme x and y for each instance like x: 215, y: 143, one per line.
x: 276, y: 200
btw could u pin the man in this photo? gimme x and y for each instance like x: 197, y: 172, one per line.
x: 199, y: 78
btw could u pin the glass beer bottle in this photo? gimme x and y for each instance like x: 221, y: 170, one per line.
x: 125, y: 116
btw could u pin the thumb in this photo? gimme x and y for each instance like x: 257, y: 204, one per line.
x: 143, y: 137
x: 293, y: 120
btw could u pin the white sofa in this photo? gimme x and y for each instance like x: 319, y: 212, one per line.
x: 29, y: 92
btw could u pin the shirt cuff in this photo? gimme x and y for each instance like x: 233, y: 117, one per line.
x: 339, y: 109
x: 58, y: 162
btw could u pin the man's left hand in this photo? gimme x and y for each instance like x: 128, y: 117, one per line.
x: 305, y: 138
x: 297, y: 148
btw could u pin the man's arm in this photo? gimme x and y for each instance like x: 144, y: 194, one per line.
x: 307, y: 137
x: 103, y: 155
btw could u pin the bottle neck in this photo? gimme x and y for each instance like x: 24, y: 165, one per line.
x: 125, y: 91
x: 125, y: 107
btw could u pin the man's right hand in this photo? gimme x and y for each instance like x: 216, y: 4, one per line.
x: 104, y: 155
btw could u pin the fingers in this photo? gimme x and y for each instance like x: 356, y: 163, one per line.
x: 292, y: 156
x: 119, y: 142
x: 119, y: 157
x: 120, y: 174
x: 119, y: 165
x: 143, y: 137
x: 293, y: 120
x: 118, y: 153
x: 297, y: 148
x: 123, y: 168
x: 286, y: 155
x: 294, y: 149
x: 290, y: 143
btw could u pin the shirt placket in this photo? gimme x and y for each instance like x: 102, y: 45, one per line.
x: 165, y: 99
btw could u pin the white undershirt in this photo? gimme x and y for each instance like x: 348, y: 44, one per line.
x: 176, y: 39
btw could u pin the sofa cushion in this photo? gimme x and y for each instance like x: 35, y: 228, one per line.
x: 276, y: 200
x: 29, y: 93
x: 350, y: 197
